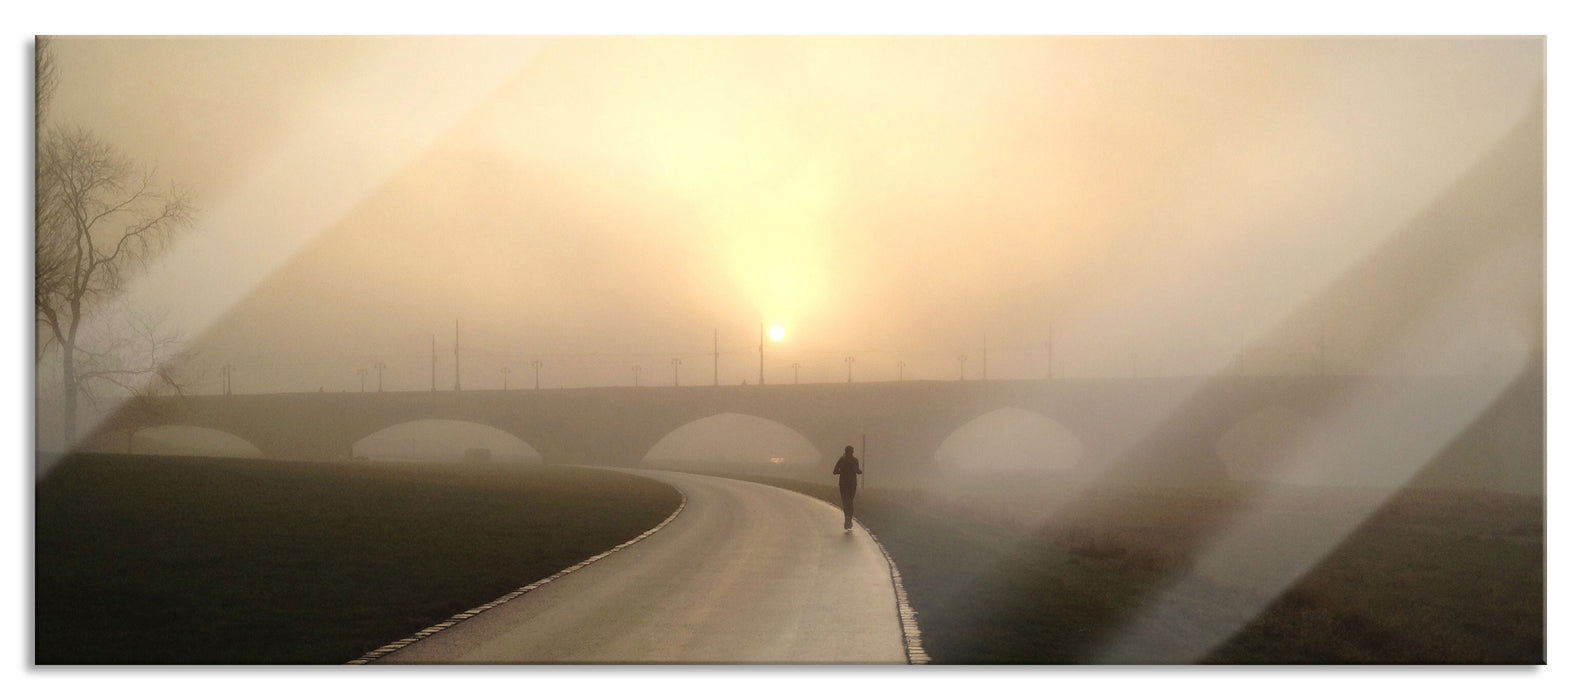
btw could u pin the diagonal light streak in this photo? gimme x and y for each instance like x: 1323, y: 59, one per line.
x: 1392, y: 434
x: 1388, y: 434
x: 393, y: 106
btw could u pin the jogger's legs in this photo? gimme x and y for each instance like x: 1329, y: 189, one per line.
x: 846, y: 502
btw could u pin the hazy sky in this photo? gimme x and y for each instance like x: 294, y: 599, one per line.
x: 603, y: 202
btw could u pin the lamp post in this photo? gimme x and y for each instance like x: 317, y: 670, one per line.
x: 381, y: 367
x: 361, y: 372
x: 849, y: 360
x: 675, y: 365
x: 901, y: 367
x: 505, y: 378
x: 795, y: 368
x: 637, y: 373
x: 963, y: 360
x: 536, y: 364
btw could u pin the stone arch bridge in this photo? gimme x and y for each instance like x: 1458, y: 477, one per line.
x: 1163, y: 428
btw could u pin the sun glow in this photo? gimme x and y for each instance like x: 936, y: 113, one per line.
x: 777, y: 333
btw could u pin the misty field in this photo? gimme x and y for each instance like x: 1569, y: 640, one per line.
x: 998, y: 576
x: 170, y: 560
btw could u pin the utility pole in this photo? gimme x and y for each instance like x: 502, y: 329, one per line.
x: 849, y: 360
x: 716, y: 357
x: 864, y: 461
x: 458, y: 354
x: 675, y: 365
x: 795, y: 367
x: 381, y: 367
x: 536, y: 364
x: 760, y: 354
x: 505, y: 378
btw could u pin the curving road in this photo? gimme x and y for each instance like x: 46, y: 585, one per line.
x: 746, y: 573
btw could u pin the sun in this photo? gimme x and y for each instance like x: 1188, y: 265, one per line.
x: 776, y: 333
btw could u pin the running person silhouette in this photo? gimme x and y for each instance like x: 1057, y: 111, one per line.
x: 848, y: 469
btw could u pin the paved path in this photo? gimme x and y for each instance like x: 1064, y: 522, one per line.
x: 746, y: 573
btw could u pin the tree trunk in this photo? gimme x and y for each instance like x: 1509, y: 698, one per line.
x: 69, y: 395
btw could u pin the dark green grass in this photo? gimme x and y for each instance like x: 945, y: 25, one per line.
x: 1433, y: 577
x: 166, y: 560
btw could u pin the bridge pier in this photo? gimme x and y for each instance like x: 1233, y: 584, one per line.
x: 1152, y: 430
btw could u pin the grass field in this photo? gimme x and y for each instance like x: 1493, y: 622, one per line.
x: 1433, y: 577
x: 168, y: 560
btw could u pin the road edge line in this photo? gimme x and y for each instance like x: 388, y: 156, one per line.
x: 497, y: 602
x: 911, y: 634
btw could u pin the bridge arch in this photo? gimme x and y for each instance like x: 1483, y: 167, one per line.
x: 193, y: 440
x: 737, y: 439
x: 443, y: 440
x: 1010, y: 439
x: 1274, y: 443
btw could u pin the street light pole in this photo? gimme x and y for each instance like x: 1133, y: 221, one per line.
x: 505, y: 378
x: 901, y: 364
x: 849, y: 360
x: 795, y: 368
x: 361, y: 372
x: 381, y: 367
x: 963, y: 360
x: 675, y: 364
x: 637, y: 373
x: 536, y: 364
x: 760, y: 354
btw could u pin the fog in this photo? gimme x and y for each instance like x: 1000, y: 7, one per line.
x: 1059, y: 268
x: 443, y: 441
x: 934, y: 208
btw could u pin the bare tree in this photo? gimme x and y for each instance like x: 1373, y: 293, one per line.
x: 49, y: 255
x: 43, y: 81
x: 98, y: 218
x: 146, y: 360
